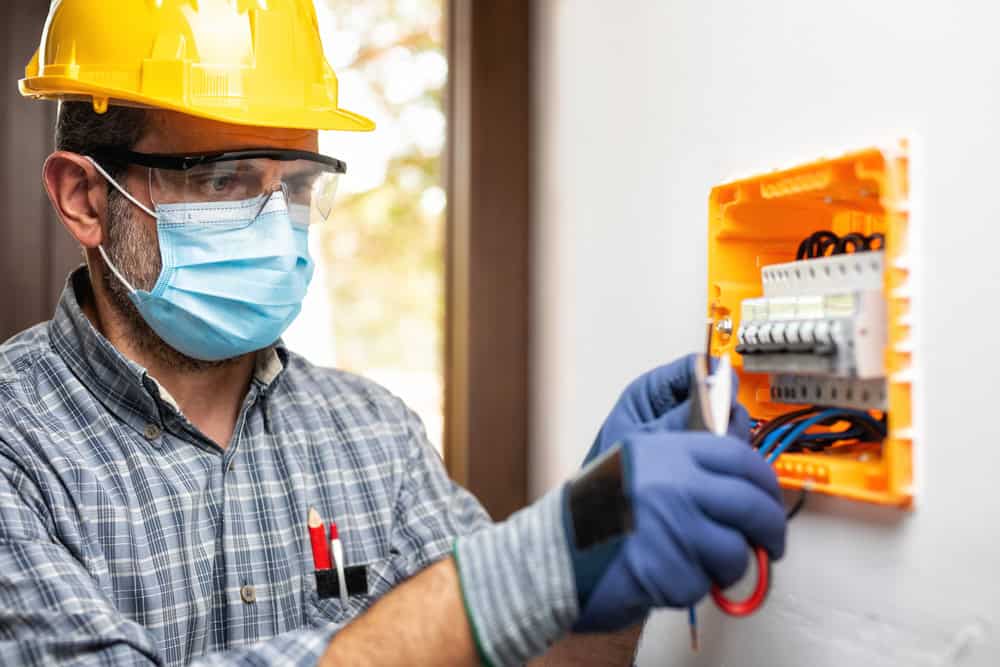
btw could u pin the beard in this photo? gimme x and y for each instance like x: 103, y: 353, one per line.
x: 134, y: 249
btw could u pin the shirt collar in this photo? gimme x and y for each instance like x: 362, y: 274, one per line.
x: 124, y: 387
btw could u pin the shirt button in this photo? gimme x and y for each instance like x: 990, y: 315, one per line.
x: 152, y: 431
x: 248, y: 594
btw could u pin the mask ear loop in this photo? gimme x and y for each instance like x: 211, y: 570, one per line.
x: 125, y: 193
x: 114, y: 270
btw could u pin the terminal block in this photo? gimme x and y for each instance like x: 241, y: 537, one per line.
x: 830, y: 330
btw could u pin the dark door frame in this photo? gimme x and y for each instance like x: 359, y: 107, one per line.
x: 488, y: 267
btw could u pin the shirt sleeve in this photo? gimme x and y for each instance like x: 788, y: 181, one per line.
x: 52, y: 610
x: 517, y: 583
x: 431, y: 510
x: 516, y: 576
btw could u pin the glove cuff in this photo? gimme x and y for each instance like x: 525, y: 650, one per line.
x: 597, y: 515
x: 517, y: 583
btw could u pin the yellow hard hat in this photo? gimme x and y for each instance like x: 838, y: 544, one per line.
x: 247, y: 62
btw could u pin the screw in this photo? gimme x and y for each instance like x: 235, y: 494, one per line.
x: 724, y: 326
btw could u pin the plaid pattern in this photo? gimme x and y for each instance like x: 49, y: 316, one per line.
x: 517, y: 580
x: 126, y: 536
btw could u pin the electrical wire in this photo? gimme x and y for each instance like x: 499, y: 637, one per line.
x: 769, y: 427
x: 870, y: 241
x: 830, y: 415
x: 772, y: 439
x: 817, y: 442
x: 789, y: 433
x: 756, y: 599
x: 820, y: 242
x: 799, y: 504
x: 809, y: 247
x: 858, y: 241
x: 793, y: 434
x: 859, y: 427
x: 693, y: 628
x: 873, y: 428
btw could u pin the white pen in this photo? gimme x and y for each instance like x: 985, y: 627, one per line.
x: 338, y: 561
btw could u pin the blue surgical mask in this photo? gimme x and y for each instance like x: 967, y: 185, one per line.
x: 233, y: 276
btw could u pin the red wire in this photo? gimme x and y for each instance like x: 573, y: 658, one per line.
x: 756, y: 599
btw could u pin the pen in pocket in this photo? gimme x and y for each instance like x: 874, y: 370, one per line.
x: 333, y: 576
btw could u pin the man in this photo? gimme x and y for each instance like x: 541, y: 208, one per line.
x: 160, y: 448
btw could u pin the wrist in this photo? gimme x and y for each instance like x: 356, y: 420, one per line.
x: 517, y: 583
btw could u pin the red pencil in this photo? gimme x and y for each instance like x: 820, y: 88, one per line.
x: 317, y: 536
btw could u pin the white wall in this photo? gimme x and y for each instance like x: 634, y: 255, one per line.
x: 641, y: 107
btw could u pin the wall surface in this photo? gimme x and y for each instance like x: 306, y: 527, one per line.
x: 36, y: 253
x: 641, y: 106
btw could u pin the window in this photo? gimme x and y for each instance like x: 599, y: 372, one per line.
x: 376, y: 305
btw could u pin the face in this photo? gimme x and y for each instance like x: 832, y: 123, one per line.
x: 130, y: 237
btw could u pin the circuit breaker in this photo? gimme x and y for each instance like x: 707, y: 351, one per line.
x: 810, y: 292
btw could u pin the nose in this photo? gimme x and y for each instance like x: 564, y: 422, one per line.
x: 269, y: 191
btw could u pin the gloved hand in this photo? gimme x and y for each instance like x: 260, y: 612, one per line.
x: 697, y: 499
x: 658, y: 401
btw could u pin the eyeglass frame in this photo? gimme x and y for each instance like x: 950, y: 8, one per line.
x: 178, y: 162
x: 181, y: 162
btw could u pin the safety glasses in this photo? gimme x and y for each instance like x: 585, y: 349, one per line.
x: 307, y: 180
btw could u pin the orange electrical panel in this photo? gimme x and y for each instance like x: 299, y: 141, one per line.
x: 760, y: 221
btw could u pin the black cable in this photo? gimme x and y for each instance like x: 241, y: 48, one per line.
x: 875, y: 428
x: 817, y: 442
x: 817, y: 445
x: 826, y: 244
x: 802, y: 250
x: 770, y: 426
x: 859, y: 428
x: 870, y: 241
x: 822, y: 241
x: 856, y: 240
x: 799, y: 504
x: 810, y: 246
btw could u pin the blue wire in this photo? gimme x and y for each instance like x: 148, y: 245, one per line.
x: 773, y: 438
x: 799, y: 429
x: 693, y: 624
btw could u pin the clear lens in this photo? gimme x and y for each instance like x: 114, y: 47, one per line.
x: 307, y: 185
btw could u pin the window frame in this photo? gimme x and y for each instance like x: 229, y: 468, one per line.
x: 488, y: 178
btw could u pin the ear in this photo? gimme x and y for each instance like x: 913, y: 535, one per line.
x: 79, y: 195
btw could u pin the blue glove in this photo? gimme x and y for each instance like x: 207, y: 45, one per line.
x: 697, y: 499
x: 658, y: 401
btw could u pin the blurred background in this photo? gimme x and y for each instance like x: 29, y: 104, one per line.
x: 376, y: 306
x: 525, y: 233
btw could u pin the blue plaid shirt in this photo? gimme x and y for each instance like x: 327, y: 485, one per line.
x: 128, y: 537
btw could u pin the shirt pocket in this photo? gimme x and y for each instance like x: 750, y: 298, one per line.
x: 323, y: 611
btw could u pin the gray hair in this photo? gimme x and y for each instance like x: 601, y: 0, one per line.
x: 81, y: 130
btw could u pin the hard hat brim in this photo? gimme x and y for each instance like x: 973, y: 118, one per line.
x: 278, y: 116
